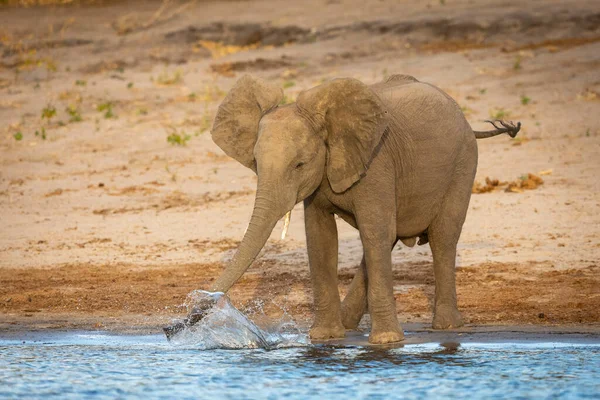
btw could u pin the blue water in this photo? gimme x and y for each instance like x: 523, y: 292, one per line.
x: 96, y: 365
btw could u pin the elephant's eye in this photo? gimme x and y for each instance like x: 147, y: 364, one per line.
x: 299, y: 165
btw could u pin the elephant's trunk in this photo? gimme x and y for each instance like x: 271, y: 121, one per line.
x: 264, y: 217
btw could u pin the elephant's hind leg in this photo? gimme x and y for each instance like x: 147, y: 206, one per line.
x: 444, y: 233
x: 354, y: 305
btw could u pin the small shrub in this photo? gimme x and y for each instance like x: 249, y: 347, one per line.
x: 48, y: 112
x: 74, y: 114
x: 106, y: 108
x: 41, y: 133
x: 499, y: 113
x: 178, y: 138
x: 164, y: 78
x: 18, y: 136
x: 525, y: 100
x: 517, y: 63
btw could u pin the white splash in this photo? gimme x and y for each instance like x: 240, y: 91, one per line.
x: 225, y: 327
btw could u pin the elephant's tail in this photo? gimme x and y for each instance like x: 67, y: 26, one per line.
x: 507, y: 127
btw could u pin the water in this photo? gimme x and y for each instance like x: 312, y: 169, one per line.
x: 96, y: 365
x: 274, y: 359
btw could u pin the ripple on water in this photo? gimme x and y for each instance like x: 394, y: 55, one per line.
x: 108, y: 366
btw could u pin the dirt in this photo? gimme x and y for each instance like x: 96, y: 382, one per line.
x: 108, y: 224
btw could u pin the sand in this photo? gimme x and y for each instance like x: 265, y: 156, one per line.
x: 108, y: 224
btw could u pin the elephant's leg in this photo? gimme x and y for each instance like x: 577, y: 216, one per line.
x: 322, y: 244
x: 378, y: 233
x: 444, y: 233
x: 354, y: 305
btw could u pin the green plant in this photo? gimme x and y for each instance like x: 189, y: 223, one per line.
x: 129, y: 85
x: 106, y: 108
x: 48, y: 112
x: 51, y: 65
x: 525, y: 100
x: 499, y: 113
x: 286, y: 100
x: 288, y: 84
x: 482, y: 91
x: 74, y: 114
x: 80, y: 82
x: 142, y: 111
x: 41, y: 133
x: 204, y: 124
x: 178, y: 138
x: 173, y: 174
x: 18, y: 136
x: 517, y: 63
x: 164, y: 78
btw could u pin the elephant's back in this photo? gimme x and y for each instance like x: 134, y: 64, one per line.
x: 407, y: 97
x: 424, y: 112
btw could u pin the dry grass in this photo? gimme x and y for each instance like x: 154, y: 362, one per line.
x: 525, y: 182
x: 133, y: 22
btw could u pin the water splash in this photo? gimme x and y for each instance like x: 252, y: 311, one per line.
x: 225, y: 327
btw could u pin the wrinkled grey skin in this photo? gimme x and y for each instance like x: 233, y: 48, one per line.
x: 396, y: 160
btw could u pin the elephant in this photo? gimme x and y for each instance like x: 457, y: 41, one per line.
x: 396, y: 160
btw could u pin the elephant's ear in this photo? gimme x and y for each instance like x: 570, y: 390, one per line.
x: 236, y: 123
x: 354, y: 120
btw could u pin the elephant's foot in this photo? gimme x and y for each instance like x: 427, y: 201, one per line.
x: 446, y: 317
x: 326, y: 332
x: 386, y: 336
x: 351, y: 318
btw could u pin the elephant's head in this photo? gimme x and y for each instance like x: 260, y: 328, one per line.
x: 331, y: 131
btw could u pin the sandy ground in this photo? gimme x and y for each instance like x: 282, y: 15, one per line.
x: 106, y: 224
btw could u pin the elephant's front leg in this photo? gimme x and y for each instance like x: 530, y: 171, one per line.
x: 322, y: 244
x: 377, y: 234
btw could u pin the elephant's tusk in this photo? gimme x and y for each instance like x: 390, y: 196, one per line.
x: 286, y: 224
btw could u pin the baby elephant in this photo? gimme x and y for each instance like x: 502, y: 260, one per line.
x: 396, y: 160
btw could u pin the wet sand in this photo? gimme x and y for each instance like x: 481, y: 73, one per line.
x: 414, y: 334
